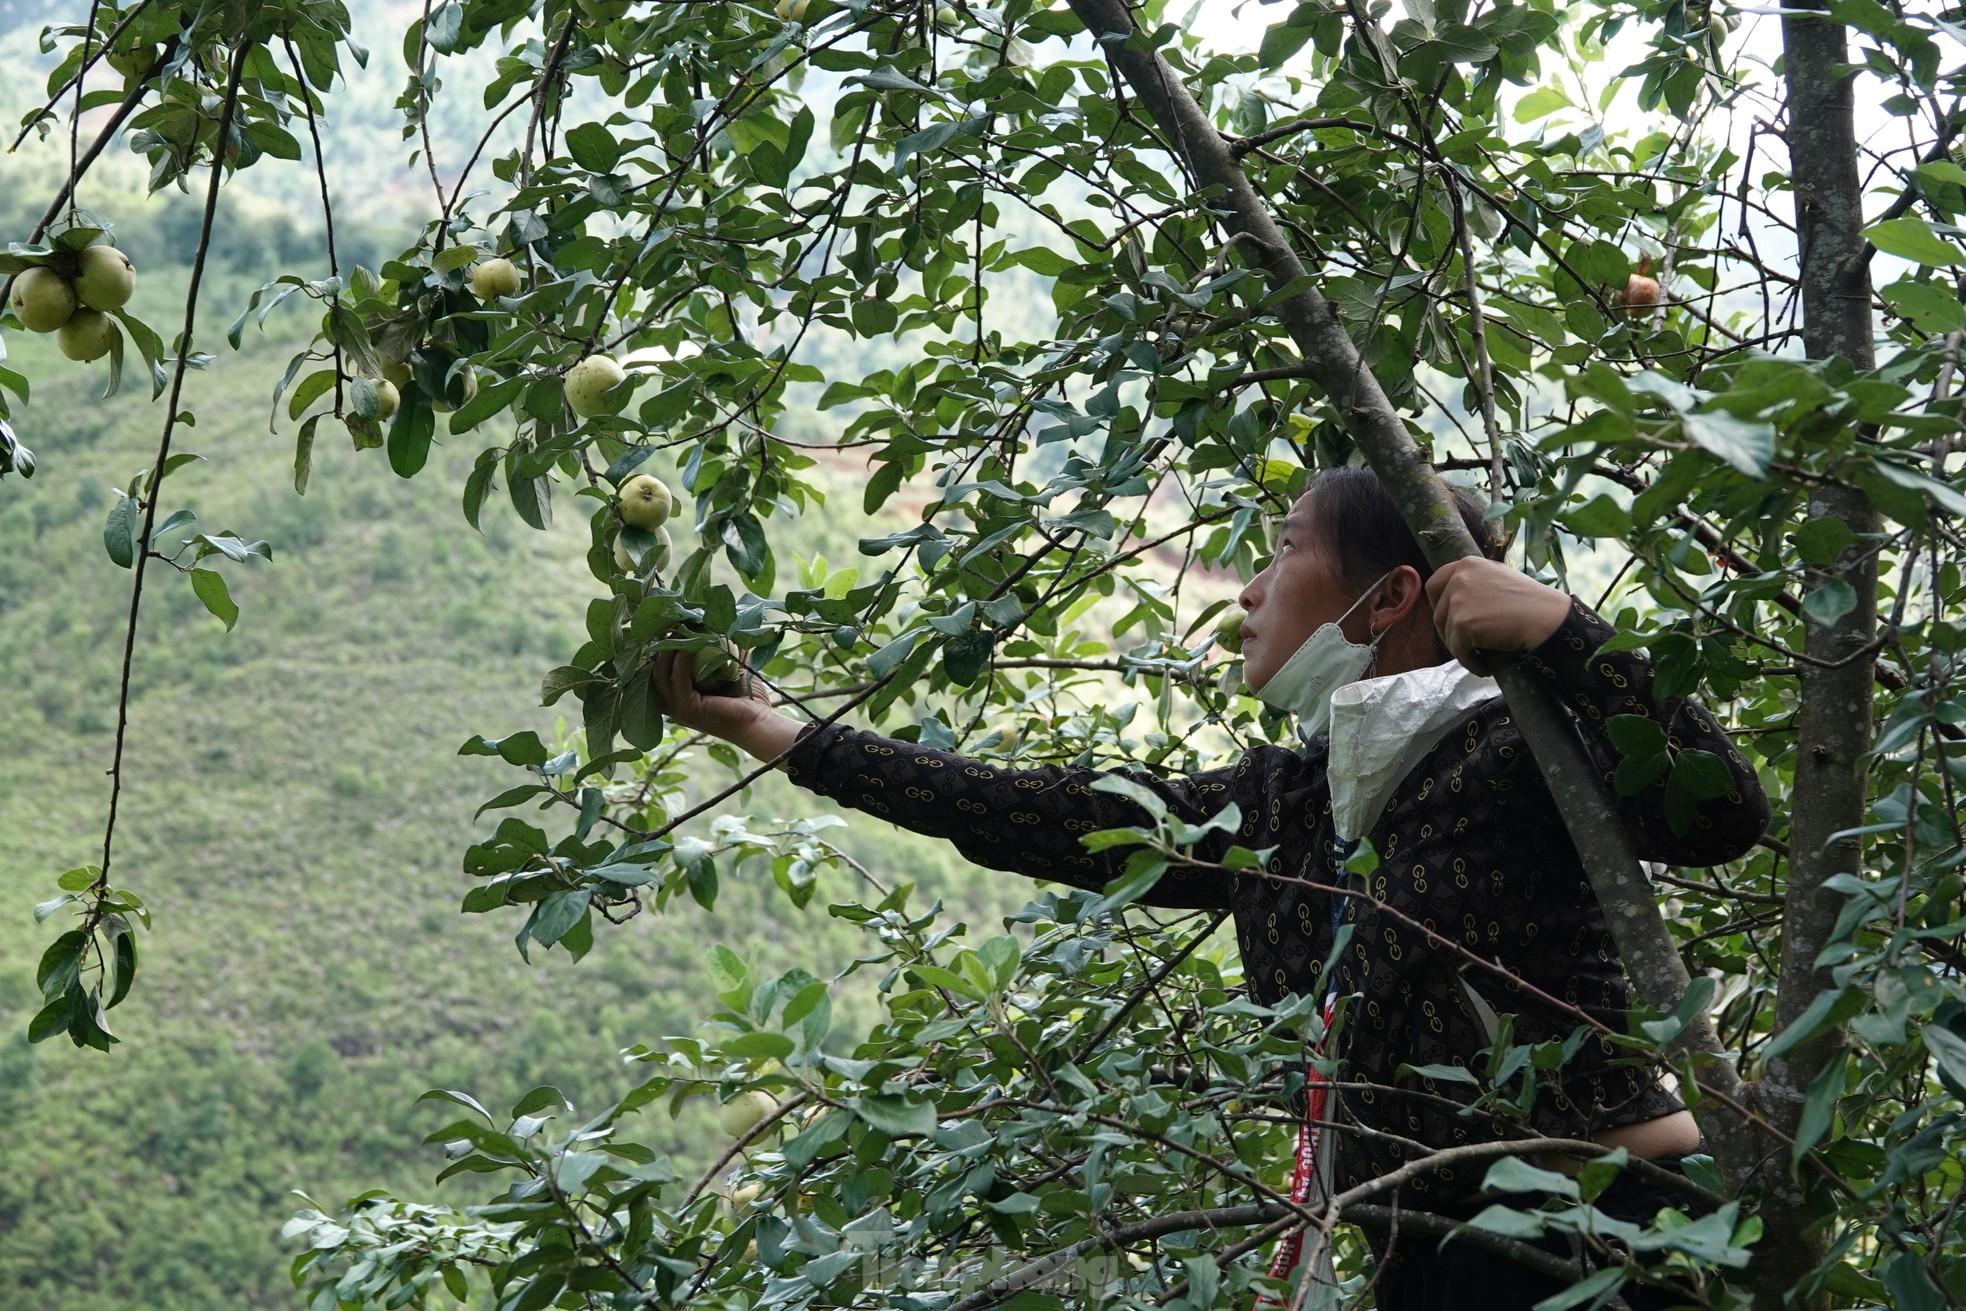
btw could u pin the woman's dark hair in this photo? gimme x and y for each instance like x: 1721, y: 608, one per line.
x: 1355, y: 519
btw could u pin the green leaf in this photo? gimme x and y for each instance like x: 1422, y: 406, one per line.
x: 1818, y: 1108
x: 126, y: 968
x: 1512, y: 1174
x: 934, y: 137
x: 544, y: 1097
x: 758, y: 1046
x: 594, y: 148
x: 558, y: 913
x: 895, y: 1115
x: 965, y: 656
x: 478, y: 485
x: 1042, y: 260
x: 1927, y: 306
x: 1143, y: 870
x: 1697, y: 776
x: 78, y: 878
x: 1636, y: 735
x: 1016, y: 1204
x: 1441, y: 1074
x: 61, y: 964
x: 1598, y: 517
x: 1637, y: 773
x: 518, y: 749
x: 410, y: 434
x: 1830, y: 1007
x: 1948, y: 497
x: 119, y: 533
x: 1543, y: 101
x: 1910, y: 1285
x: 1285, y: 39
x: 1595, y: 1289
x: 459, y: 1098
x: 314, y: 386
x: 1746, y: 444
x: 1948, y: 1050
x: 572, y: 1171
x: 1913, y: 239
x: 1822, y: 540
x: 639, y: 712
x: 43, y: 909
x: 210, y: 587
x: 456, y: 257
x: 560, y: 679
x: 1148, y: 800
x: 52, y: 1019
x: 1829, y: 602
x: 728, y: 973
x: 885, y: 659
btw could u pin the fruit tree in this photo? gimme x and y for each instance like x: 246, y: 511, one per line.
x: 1091, y: 289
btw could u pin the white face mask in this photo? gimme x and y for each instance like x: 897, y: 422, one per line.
x: 1325, y: 662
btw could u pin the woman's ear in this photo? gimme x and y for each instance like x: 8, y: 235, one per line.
x: 1403, y: 592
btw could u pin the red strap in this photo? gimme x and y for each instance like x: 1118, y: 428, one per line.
x: 1316, y: 1091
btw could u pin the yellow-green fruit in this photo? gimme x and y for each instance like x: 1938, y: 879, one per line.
x: 945, y: 16
x: 443, y: 406
x: 41, y: 300
x: 396, y: 371
x: 718, y: 672
x: 645, y: 502
x: 494, y: 278
x: 107, y: 279
x: 743, y: 1112
x: 87, y: 335
x: 656, y: 559
x: 588, y: 383
x: 792, y: 11
x: 738, y: 1198
x: 1228, y: 632
x: 387, y: 399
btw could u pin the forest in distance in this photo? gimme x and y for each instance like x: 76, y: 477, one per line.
x: 378, y: 939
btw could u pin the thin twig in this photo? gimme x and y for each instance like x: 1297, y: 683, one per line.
x: 155, y: 481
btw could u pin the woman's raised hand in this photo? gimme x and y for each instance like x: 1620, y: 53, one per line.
x: 1483, y: 605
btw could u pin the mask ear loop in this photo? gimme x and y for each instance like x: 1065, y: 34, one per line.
x: 1372, y: 661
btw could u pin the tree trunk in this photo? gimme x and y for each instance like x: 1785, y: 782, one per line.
x: 1833, y: 725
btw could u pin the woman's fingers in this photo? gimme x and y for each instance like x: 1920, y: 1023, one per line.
x: 673, y: 685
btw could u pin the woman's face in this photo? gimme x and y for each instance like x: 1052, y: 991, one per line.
x: 1297, y: 592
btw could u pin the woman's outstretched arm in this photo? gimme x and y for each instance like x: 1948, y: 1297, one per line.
x: 1026, y: 821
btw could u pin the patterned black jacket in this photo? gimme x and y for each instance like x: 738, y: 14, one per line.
x: 1470, y: 845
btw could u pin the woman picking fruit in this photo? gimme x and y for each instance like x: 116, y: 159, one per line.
x: 1406, y: 743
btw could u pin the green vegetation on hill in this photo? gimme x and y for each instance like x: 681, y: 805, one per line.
x: 294, y: 812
